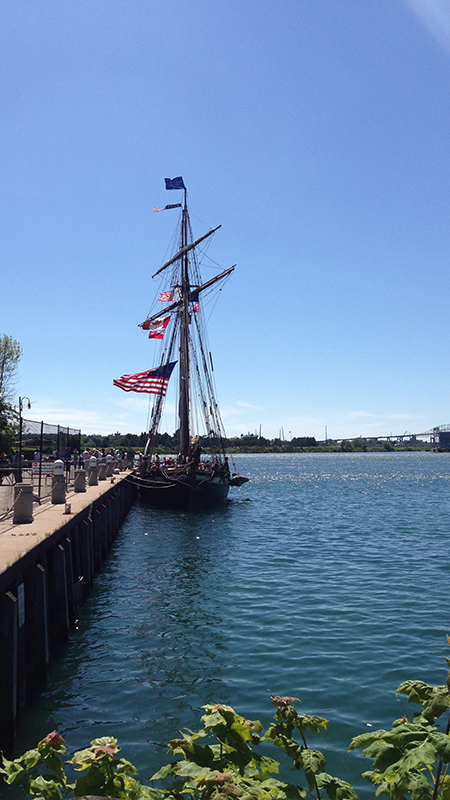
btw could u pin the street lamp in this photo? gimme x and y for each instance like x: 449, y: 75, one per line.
x: 21, y: 399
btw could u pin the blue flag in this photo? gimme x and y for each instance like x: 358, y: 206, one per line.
x: 174, y: 183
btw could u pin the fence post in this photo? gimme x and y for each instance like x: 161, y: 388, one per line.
x: 41, y: 443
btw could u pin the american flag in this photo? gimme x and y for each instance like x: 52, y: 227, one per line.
x: 154, y: 381
x: 166, y: 297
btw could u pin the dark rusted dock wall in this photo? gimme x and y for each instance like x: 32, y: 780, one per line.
x: 41, y: 592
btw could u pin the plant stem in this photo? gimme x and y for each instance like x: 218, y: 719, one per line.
x: 315, y: 782
x: 438, y: 773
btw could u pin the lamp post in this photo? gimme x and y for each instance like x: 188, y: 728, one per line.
x: 21, y: 399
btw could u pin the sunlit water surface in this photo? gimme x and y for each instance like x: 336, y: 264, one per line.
x: 325, y: 577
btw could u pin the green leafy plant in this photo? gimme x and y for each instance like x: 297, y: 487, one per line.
x: 227, y: 759
x: 412, y: 759
x: 218, y: 762
x: 45, y: 772
x: 227, y: 764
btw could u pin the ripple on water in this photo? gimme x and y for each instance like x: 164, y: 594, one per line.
x: 324, y: 579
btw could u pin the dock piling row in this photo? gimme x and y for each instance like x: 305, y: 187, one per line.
x: 42, y: 589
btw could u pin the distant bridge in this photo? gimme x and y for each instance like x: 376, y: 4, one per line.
x: 440, y: 435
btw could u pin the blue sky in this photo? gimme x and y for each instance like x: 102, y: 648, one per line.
x: 317, y: 133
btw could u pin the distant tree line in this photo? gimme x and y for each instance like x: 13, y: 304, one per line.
x: 167, y: 443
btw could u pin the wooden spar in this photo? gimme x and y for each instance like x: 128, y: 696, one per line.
x: 185, y: 249
x: 191, y: 296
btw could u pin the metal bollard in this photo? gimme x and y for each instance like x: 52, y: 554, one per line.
x: 109, y: 465
x: 58, y: 483
x: 93, y: 471
x: 80, y: 480
x: 23, y: 503
x: 58, y: 489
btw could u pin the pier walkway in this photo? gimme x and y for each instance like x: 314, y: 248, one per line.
x: 47, y: 567
x: 17, y: 540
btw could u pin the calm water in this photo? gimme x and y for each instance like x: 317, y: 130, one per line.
x: 326, y: 577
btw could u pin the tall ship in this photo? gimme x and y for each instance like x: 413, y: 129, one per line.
x: 199, y: 476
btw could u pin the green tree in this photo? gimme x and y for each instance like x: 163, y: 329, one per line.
x: 10, y: 354
x: 8, y: 427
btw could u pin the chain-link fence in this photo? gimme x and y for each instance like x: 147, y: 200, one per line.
x: 39, y: 445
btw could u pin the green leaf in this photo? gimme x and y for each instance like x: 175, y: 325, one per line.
x: 384, y: 755
x: 272, y: 783
x: 373, y: 776
x: 416, y: 691
x: 435, y: 700
x: 192, y: 770
x: 335, y: 788
x: 269, y: 765
x: 308, y: 722
x: 91, y: 783
x: 313, y: 762
x: 295, y: 792
x: 365, y: 739
x: 424, y: 755
x: 53, y: 762
x: 418, y: 787
x: 12, y: 769
x: 214, y: 720
x: 125, y: 767
x: 106, y: 741
x: 45, y: 788
x: 407, y: 734
x: 84, y: 757
x: 445, y: 788
x: 242, y: 730
x: 31, y: 758
x: 162, y: 773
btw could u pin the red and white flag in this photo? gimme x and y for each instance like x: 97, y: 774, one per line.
x: 157, y: 328
x: 166, y: 297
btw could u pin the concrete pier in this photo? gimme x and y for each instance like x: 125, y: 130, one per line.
x: 46, y: 569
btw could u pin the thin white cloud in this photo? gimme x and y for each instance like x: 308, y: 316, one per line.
x: 248, y: 405
x: 435, y: 14
x: 367, y: 415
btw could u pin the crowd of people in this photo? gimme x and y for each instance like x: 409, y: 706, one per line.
x: 152, y: 465
x: 146, y: 464
x: 70, y: 458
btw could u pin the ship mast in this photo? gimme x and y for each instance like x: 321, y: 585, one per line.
x: 183, y: 408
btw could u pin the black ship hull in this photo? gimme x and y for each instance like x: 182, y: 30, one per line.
x: 183, y: 494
